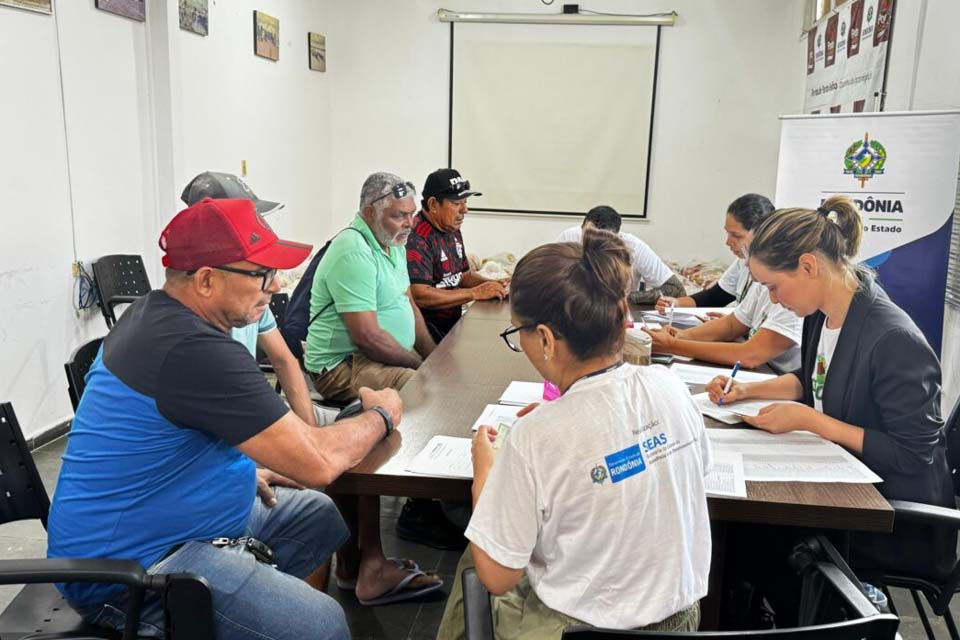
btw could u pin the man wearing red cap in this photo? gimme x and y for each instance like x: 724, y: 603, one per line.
x: 161, y: 463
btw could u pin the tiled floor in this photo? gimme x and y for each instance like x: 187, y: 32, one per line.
x: 411, y: 620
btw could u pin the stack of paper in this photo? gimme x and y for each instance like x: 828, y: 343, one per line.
x: 445, y: 457
x: 522, y: 393
x: 696, y: 374
x: 707, y: 408
x: 753, y: 407
x: 726, y: 478
x: 796, y: 456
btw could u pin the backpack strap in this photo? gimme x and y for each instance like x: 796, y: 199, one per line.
x: 328, y: 305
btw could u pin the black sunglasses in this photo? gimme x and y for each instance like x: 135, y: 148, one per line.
x: 268, y: 275
x: 453, y: 192
x: 399, y: 190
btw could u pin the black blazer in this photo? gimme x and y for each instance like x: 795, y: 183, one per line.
x: 885, y: 378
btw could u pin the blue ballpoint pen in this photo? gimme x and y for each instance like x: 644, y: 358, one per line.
x: 726, y: 389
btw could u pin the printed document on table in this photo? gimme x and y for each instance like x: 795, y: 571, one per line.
x: 522, y: 393
x: 707, y: 408
x: 495, y: 414
x: 726, y: 476
x: 753, y: 407
x: 798, y: 456
x: 680, y: 320
x: 695, y: 374
x: 445, y: 457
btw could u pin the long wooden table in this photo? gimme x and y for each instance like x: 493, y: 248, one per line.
x: 471, y: 367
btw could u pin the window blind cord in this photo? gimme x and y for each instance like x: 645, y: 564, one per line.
x: 66, y: 134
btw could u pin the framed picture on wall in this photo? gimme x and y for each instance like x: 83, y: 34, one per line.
x: 266, y: 35
x: 40, y: 6
x: 133, y: 9
x: 317, y: 51
x: 195, y: 16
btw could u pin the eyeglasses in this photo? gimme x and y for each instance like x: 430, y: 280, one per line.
x: 268, y: 275
x: 399, y: 190
x: 509, y: 331
x: 453, y: 192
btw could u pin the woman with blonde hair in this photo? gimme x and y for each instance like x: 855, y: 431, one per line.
x: 868, y: 379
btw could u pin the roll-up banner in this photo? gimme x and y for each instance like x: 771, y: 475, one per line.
x: 901, y: 171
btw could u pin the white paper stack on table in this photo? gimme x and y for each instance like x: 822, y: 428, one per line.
x: 798, y: 456
x: 685, y: 317
x: 696, y: 374
x: 497, y: 414
x: 726, y: 478
x: 445, y: 457
x: 520, y: 394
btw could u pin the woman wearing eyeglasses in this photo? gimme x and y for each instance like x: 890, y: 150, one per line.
x: 593, y: 509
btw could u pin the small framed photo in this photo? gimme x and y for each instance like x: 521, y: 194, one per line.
x: 266, y: 35
x: 133, y: 9
x: 40, y: 6
x: 317, y: 51
x: 195, y: 16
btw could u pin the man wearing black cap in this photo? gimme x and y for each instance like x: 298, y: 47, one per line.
x: 440, y: 278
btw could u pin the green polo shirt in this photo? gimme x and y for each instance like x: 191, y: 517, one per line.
x: 357, y: 275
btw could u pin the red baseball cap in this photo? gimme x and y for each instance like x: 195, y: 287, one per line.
x: 212, y: 233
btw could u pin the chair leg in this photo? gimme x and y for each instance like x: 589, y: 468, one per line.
x: 923, y: 615
x: 890, y: 603
x: 951, y: 625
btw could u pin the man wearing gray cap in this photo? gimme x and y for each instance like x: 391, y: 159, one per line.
x: 365, y: 329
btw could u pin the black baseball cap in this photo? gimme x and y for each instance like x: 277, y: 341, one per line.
x: 447, y: 183
x: 220, y: 186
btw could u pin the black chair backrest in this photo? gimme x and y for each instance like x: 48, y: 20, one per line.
x: 119, y: 280
x: 478, y: 623
x: 22, y: 495
x: 80, y: 363
x: 278, y: 305
x: 952, y: 433
x: 879, y: 627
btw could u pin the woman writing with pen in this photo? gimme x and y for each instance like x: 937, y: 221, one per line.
x: 759, y: 331
x: 868, y: 380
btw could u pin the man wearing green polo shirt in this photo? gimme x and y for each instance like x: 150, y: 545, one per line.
x: 366, y: 329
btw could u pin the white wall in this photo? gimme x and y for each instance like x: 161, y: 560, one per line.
x: 104, y: 101
x: 147, y: 107
x: 727, y: 70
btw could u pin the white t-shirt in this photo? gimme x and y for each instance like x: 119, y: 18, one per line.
x: 647, y: 265
x: 825, y: 348
x: 599, y: 495
x: 758, y: 312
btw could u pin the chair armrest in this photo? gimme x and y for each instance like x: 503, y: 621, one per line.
x: 477, y: 615
x: 925, y: 514
x: 46, y: 570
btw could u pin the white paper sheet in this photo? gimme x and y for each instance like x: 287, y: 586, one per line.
x: 495, y: 414
x: 707, y: 408
x: 753, y: 407
x: 681, y: 320
x: 522, y: 393
x: 695, y: 374
x: 795, y: 456
x: 445, y: 457
x: 726, y: 477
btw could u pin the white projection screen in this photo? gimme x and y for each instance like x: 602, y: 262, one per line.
x: 553, y: 118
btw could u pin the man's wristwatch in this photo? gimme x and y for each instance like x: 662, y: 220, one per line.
x: 387, y: 420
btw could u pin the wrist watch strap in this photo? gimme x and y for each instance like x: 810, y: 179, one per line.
x: 387, y: 420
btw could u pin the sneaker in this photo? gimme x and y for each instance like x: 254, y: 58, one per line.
x: 423, y: 521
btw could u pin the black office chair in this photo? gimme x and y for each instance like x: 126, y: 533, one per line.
x: 278, y: 305
x: 938, y: 593
x: 828, y: 586
x: 39, y: 611
x: 119, y: 279
x: 80, y: 362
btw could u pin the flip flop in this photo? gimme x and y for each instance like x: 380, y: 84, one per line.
x: 350, y: 584
x: 401, y: 591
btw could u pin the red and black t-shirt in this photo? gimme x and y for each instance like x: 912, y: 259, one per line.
x: 438, y: 259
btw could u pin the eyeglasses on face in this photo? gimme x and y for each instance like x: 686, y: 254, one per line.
x: 268, y: 275
x: 509, y: 331
x: 399, y: 190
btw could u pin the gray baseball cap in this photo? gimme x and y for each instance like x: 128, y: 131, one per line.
x: 218, y: 186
